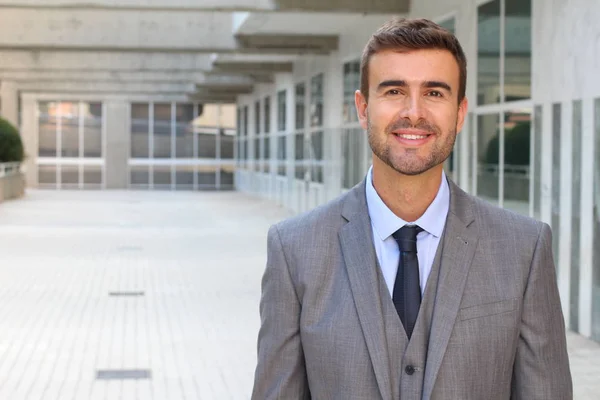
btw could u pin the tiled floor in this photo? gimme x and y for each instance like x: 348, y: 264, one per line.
x: 192, y: 264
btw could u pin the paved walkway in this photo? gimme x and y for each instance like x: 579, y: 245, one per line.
x: 97, y: 285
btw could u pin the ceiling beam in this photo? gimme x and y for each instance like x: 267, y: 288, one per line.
x: 106, y: 87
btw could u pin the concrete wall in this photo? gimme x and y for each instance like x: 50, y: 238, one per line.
x: 9, y: 102
x: 12, y: 186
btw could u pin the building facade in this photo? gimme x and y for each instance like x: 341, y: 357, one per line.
x: 148, y: 96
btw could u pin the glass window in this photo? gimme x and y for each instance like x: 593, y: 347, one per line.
x: 140, y: 128
x: 596, y: 239
x: 162, y: 130
x: 226, y: 178
x: 267, y: 111
x: 47, y: 175
x: 351, y: 85
x: 517, y: 149
x: 92, y: 130
x: 184, y: 130
x: 69, y: 116
x: 207, y: 144
x: 184, y: 177
x: 316, y: 145
x: 257, y: 118
x: 300, y: 105
x: 575, y: 215
x: 92, y: 175
x: 47, y: 128
x: 316, y: 101
x: 69, y: 176
x: 227, y: 143
x: 556, y: 133
x: 488, y: 53
x: 281, y: 111
x: 517, y: 51
x: 352, y: 148
x: 449, y: 24
x: 162, y: 176
x: 281, y: 148
x: 139, y: 176
x: 488, y: 153
x: 207, y: 177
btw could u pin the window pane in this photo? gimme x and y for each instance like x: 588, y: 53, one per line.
x: 184, y: 177
x: 207, y: 144
x: 488, y: 53
x: 139, y: 176
x: 69, y: 116
x: 556, y: 133
x: 257, y: 118
x: 267, y: 117
x: 351, y: 85
x: 184, y: 130
x: 596, y: 239
x: 281, y: 148
x: 281, y: 111
x: 267, y: 148
x: 300, y: 105
x: 69, y: 176
x: 352, y: 150
x: 162, y: 131
x: 316, y: 101
x: 517, y: 136
x: 162, y: 176
x: 47, y: 175
x: 316, y: 145
x: 92, y: 175
x: 299, y: 146
x: 227, y: 143
x: 488, y: 154
x: 47, y: 125
x: 449, y: 25
x: 140, y: 128
x: 517, y: 50
x: 226, y: 177
x: 207, y: 178
x: 92, y: 129
x: 575, y: 215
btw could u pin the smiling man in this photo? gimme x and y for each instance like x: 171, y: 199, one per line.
x: 406, y: 287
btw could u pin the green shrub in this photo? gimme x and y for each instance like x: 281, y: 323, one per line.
x: 11, y: 146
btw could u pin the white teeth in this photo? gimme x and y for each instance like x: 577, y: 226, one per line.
x: 413, y: 137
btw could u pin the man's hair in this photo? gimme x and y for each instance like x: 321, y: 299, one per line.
x: 403, y: 34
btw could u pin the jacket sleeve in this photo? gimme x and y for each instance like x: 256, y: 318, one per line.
x: 280, y: 371
x: 541, y: 369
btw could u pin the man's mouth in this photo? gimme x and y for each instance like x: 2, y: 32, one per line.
x: 410, y: 136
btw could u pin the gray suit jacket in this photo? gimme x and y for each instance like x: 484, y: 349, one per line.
x: 497, y: 330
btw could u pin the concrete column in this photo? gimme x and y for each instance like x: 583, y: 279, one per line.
x: 334, y: 101
x: 116, y: 128
x: 29, y: 135
x: 9, y: 102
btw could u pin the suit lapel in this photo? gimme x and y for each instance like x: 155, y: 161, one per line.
x: 460, y: 242
x: 361, y: 263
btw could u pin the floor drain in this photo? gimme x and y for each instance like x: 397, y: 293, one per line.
x: 126, y: 294
x: 122, y: 374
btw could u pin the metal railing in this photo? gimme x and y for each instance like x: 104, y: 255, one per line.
x: 8, y: 169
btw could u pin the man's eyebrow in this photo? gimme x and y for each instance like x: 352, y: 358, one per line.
x: 384, y: 84
x: 437, y: 84
x: 426, y: 84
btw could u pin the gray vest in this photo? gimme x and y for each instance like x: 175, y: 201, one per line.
x: 408, y: 358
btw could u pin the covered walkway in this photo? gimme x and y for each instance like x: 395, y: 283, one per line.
x: 97, y: 288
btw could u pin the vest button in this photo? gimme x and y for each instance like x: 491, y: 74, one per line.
x: 409, y: 369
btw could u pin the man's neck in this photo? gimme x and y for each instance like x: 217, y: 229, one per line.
x: 406, y: 196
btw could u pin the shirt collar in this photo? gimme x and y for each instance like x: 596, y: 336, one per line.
x: 385, y: 222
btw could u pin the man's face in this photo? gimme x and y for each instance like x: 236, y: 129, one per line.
x: 412, y: 115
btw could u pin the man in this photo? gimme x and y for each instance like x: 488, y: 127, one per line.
x: 407, y: 287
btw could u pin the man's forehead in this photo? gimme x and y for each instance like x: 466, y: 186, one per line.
x: 414, y: 65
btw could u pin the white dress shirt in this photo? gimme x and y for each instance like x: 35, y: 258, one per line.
x: 384, y: 223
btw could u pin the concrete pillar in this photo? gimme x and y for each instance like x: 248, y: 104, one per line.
x: 29, y: 135
x: 117, y: 144
x: 9, y: 102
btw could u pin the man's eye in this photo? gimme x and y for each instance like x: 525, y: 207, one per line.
x: 393, y: 92
x: 435, y: 93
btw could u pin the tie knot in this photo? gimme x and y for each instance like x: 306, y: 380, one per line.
x: 406, y: 237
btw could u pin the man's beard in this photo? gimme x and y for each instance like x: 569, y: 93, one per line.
x: 408, y: 162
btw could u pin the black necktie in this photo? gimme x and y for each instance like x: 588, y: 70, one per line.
x: 407, y: 289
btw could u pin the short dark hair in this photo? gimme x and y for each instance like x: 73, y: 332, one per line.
x: 412, y: 34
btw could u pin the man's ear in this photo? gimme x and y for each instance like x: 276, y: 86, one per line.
x: 462, y: 112
x: 361, y: 108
